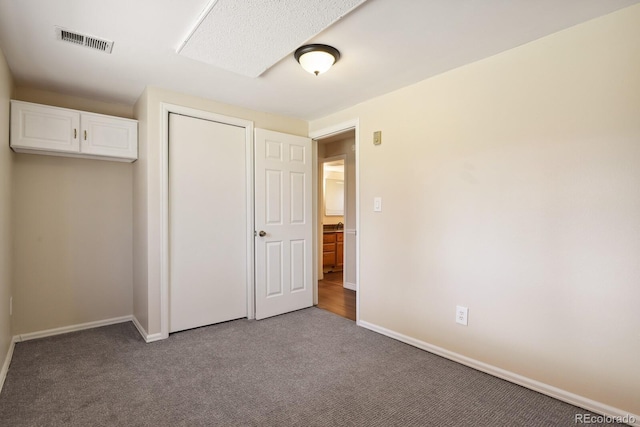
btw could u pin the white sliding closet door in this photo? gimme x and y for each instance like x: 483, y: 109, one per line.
x: 208, y: 219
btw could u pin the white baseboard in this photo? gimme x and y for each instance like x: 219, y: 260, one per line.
x: 556, y: 393
x: 71, y: 328
x: 348, y: 285
x: 147, y: 338
x: 7, y: 362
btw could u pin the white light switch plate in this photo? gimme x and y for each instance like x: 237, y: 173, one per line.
x: 377, y: 204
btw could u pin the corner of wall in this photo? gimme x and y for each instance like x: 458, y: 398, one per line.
x: 140, y: 244
x: 6, y: 182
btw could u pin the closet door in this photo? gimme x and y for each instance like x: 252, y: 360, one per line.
x: 207, y: 222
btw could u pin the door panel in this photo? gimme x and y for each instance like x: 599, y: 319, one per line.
x: 109, y: 136
x: 43, y: 127
x: 273, y: 260
x: 273, y: 196
x: 297, y: 199
x: 283, y: 208
x: 297, y: 265
x: 207, y: 222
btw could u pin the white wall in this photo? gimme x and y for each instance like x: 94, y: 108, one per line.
x: 511, y: 186
x: 147, y: 185
x: 72, y: 232
x: 6, y: 155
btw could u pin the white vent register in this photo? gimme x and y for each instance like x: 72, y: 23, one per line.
x: 86, y: 40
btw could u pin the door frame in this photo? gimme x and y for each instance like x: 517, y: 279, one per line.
x: 353, y: 124
x: 167, y: 109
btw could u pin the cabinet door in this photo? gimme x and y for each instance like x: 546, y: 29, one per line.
x: 339, y: 254
x: 328, y: 259
x: 39, y: 127
x: 328, y: 250
x: 109, y: 136
x: 328, y: 237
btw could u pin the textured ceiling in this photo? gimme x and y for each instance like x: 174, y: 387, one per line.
x: 247, y: 37
x: 385, y: 45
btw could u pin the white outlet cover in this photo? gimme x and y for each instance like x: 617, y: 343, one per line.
x: 462, y: 315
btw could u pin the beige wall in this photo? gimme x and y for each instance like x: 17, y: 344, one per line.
x: 5, y: 208
x: 56, y: 99
x: 72, y: 232
x: 511, y: 186
x: 147, y: 186
x: 140, y: 195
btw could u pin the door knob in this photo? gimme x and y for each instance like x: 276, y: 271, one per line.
x: 262, y: 233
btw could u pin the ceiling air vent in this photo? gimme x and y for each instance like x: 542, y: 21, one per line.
x: 84, y: 40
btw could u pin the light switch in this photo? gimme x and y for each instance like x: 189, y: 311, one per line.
x: 377, y: 204
x: 377, y: 137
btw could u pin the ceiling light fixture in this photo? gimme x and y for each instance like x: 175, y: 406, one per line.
x: 317, y: 58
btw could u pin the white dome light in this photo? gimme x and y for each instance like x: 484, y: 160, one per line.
x: 317, y: 58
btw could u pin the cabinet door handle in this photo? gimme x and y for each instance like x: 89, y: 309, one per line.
x: 85, y: 135
x: 75, y: 133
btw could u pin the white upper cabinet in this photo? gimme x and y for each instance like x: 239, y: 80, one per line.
x: 109, y: 136
x: 41, y: 129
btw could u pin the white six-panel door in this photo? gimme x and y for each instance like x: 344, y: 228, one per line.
x: 208, y: 220
x: 283, y: 222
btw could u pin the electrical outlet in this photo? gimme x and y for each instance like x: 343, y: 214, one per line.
x: 462, y: 315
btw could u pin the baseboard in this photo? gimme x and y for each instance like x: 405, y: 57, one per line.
x: 563, y: 395
x: 348, y: 285
x: 145, y: 336
x: 7, y: 362
x: 71, y: 328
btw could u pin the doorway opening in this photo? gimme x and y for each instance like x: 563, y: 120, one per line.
x: 337, y: 276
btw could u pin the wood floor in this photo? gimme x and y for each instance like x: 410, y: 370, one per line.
x: 334, y: 298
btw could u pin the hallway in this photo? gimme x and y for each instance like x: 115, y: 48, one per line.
x: 333, y: 297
